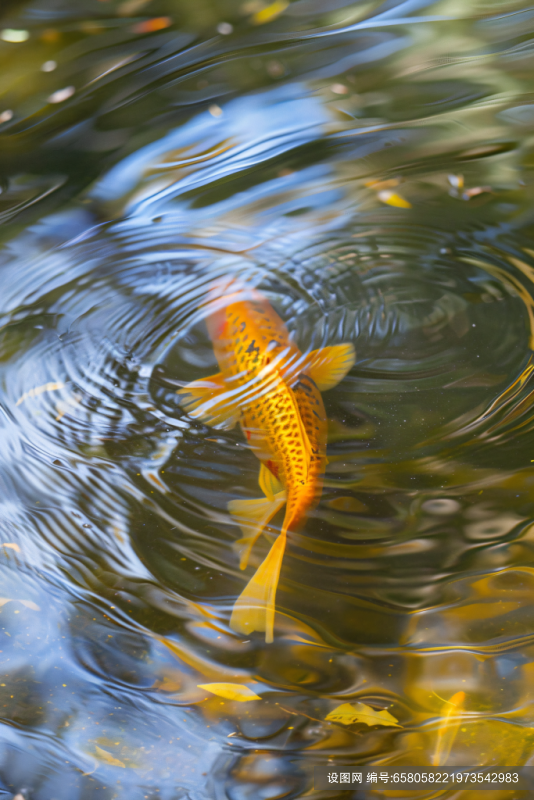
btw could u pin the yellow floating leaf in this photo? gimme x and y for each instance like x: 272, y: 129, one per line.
x: 46, y: 387
x: 349, y: 713
x: 393, y: 199
x: 270, y: 12
x: 12, y: 545
x: 230, y: 691
x: 107, y: 758
x: 449, y: 724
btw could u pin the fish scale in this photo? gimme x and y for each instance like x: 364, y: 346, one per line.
x: 312, y: 412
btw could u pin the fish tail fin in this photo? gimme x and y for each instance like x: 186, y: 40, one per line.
x: 252, y: 516
x: 254, y: 609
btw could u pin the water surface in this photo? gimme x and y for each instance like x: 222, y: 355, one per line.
x: 368, y: 166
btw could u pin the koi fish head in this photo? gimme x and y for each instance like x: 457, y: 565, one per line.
x: 223, y: 292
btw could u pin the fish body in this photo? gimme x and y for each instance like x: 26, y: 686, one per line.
x: 250, y: 341
x: 273, y: 390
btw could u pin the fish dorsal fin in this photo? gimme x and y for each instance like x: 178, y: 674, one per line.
x: 209, y: 401
x: 269, y: 484
x: 252, y: 516
x: 254, y: 608
x: 329, y: 365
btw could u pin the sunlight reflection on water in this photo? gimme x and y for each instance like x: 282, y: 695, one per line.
x: 368, y: 168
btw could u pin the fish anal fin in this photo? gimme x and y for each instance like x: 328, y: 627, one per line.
x: 208, y: 400
x: 255, y: 606
x: 329, y: 365
x: 252, y: 516
x: 269, y: 483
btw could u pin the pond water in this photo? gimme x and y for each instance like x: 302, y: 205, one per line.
x: 368, y: 166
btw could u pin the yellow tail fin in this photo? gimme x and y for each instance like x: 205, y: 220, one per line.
x: 329, y: 365
x: 254, y: 608
x: 252, y: 516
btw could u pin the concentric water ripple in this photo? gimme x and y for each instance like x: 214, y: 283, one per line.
x: 367, y: 169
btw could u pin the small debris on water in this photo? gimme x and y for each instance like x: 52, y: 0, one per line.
x: 61, y: 95
x: 14, y: 35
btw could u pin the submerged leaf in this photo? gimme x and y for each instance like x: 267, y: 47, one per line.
x: 349, y: 713
x: 107, y: 758
x: 451, y: 717
x: 167, y: 684
x: 30, y: 604
x: 12, y: 546
x: 231, y: 691
x: 46, y: 387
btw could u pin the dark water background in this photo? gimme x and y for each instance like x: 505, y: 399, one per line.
x: 368, y: 165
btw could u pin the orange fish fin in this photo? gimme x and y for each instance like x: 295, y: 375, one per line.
x: 252, y: 516
x: 269, y: 484
x: 254, y: 608
x: 329, y: 365
x: 208, y: 401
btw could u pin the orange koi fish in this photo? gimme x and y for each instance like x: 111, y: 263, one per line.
x: 273, y: 390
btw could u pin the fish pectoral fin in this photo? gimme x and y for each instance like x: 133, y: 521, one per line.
x: 208, y: 400
x: 329, y: 365
x: 254, y: 608
x: 252, y: 516
x: 269, y: 483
